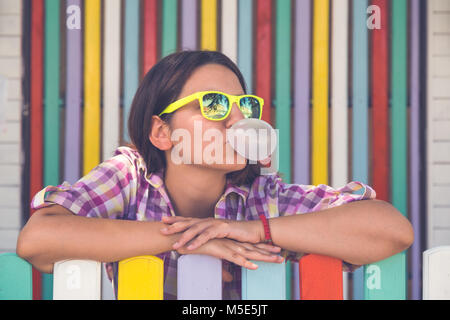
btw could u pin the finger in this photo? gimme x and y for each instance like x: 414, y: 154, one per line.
x: 191, y: 233
x: 172, y: 219
x: 178, y: 226
x: 253, y: 253
x: 250, y: 246
x: 233, y: 254
x: 206, y: 235
x: 268, y: 247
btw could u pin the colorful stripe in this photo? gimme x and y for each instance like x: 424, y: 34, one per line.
x: 209, y: 24
x: 91, y: 125
x: 360, y: 111
x: 36, y: 122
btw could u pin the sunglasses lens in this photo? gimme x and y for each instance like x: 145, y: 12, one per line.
x: 215, y: 105
x: 250, y: 107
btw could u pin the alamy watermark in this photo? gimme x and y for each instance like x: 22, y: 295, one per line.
x: 73, y: 21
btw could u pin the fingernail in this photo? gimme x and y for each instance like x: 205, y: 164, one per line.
x: 176, y: 244
x: 251, y: 265
x: 164, y: 229
x: 190, y: 247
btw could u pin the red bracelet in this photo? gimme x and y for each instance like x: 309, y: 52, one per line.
x: 266, y: 228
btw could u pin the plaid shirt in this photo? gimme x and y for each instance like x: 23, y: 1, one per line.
x: 121, y: 188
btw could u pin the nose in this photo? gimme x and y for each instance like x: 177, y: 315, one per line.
x: 235, y: 115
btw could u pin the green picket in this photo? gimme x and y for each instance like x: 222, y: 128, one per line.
x: 16, y: 282
x: 283, y: 99
x: 169, y: 27
x: 51, y: 110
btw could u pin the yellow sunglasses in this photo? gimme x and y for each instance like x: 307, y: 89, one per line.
x: 216, y: 105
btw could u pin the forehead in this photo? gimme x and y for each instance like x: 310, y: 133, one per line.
x: 212, y: 77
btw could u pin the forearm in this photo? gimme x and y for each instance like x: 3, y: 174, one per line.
x: 51, y: 238
x: 359, y: 232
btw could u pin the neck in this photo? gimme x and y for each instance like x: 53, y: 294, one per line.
x: 193, y: 190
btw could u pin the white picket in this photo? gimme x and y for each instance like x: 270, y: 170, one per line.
x: 436, y: 273
x: 77, y: 280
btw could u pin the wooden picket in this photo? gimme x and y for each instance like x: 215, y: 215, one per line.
x: 267, y: 282
x: 15, y: 278
x: 77, y: 280
x: 199, y: 277
x: 140, y: 278
x: 436, y: 273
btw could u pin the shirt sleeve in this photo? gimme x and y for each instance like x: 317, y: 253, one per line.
x: 286, y: 199
x: 105, y: 192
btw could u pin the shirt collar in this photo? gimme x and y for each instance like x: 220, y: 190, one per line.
x: 156, y: 180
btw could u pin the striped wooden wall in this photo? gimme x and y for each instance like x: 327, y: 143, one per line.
x: 345, y: 95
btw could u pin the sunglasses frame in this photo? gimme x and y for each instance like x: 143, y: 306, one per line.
x: 199, y: 96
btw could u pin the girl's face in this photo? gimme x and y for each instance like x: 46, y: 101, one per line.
x: 199, y: 141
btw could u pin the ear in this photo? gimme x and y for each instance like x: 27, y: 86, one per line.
x: 160, y: 134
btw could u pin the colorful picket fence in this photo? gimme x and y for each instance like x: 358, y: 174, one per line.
x: 339, y: 119
x: 200, y: 278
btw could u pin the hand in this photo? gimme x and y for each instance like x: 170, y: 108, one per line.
x: 237, y: 252
x: 266, y: 162
x: 204, y: 230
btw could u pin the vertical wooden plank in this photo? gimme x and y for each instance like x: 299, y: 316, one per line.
x: 245, y: 41
x: 399, y: 94
x: 51, y: 110
x: 282, y: 102
x: 320, y: 93
x: 141, y: 278
x: 131, y: 59
x: 150, y: 35
x: 414, y: 151
x: 436, y: 273
x: 339, y: 98
x: 72, y: 149
x: 36, y: 122
x: 302, y: 99
x: 209, y: 25
x: 267, y: 282
x: 229, y: 29
x: 91, y: 125
x: 379, y: 93
x: 15, y: 278
x: 339, y: 91
x: 263, y: 60
x: 169, y: 27
x: 111, y: 77
x: 199, y: 277
x: 360, y: 112
x: 283, y: 84
x: 302, y: 86
x: 320, y: 278
x: 189, y: 24
x: 77, y: 280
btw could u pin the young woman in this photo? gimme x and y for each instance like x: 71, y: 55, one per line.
x: 154, y: 205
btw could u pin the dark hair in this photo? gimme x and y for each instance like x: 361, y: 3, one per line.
x: 160, y: 87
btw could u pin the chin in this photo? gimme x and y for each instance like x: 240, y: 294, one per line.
x: 227, y: 167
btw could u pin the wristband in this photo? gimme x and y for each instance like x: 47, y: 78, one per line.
x: 268, y: 237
